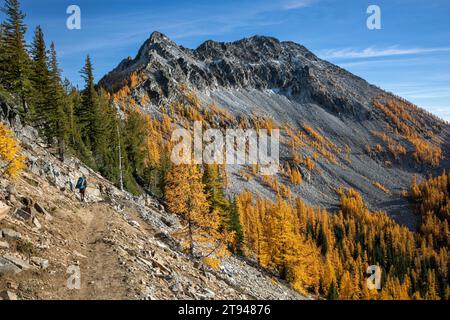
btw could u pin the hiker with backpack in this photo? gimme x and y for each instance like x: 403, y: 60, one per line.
x: 82, y: 186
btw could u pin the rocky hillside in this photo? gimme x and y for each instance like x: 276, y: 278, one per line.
x: 121, y: 243
x: 361, y: 137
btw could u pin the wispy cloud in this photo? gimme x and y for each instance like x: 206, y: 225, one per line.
x: 429, y: 93
x: 296, y: 4
x: 372, y: 52
x: 371, y: 63
x: 394, y: 61
x: 175, y: 27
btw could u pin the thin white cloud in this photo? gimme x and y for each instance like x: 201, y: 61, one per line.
x: 372, y: 52
x: 371, y: 63
x: 427, y: 95
x: 423, y: 91
x: 296, y: 4
x: 173, y: 24
x: 396, y: 61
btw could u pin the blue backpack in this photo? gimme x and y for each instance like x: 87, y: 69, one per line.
x: 81, y: 183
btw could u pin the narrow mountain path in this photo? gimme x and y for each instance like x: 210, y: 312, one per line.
x: 101, y: 274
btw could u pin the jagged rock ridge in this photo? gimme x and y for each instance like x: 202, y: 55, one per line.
x: 259, y: 62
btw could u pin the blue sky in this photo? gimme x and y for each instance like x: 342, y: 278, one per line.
x: 409, y: 56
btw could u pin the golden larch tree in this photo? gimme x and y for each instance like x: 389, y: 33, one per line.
x: 10, y: 152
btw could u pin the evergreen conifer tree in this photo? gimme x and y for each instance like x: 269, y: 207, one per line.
x: 88, y: 112
x: 15, y: 63
x: 40, y: 81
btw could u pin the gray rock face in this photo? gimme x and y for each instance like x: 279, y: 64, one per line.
x: 9, y: 233
x: 42, y: 263
x: 9, y: 115
x: 7, y: 267
x: 22, y: 264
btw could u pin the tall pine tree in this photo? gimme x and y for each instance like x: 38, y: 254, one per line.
x: 215, y: 193
x: 16, y: 62
x: 135, y: 131
x: 57, y: 118
x: 236, y: 227
x: 88, y: 112
x: 2, y: 55
x: 40, y: 80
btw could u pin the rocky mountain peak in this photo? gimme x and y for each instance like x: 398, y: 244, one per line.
x: 157, y: 36
x: 156, y: 43
x: 258, y: 62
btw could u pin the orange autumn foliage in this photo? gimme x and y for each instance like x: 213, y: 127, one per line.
x: 328, y: 254
x: 399, y: 115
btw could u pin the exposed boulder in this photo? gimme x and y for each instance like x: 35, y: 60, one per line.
x: 22, y: 264
x: 4, y: 210
x: 9, y: 233
x: 36, y: 223
x: 40, y: 262
x: 23, y: 214
x: 4, y: 245
x: 9, y: 114
x: 40, y: 209
x: 8, y: 295
x: 7, y: 267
